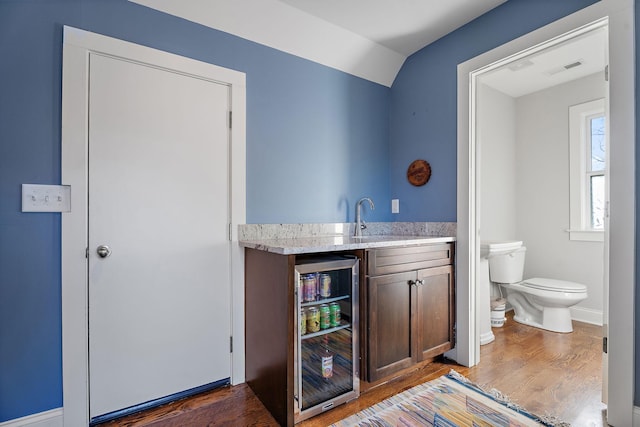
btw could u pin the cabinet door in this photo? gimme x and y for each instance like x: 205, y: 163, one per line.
x: 435, y: 312
x: 391, y: 302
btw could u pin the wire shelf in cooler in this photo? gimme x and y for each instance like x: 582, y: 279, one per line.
x: 324, y: 301
x: 343, y: 325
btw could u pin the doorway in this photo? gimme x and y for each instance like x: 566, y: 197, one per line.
x: 133, y: 198
x: 539, y: 180
x: 618, y: 323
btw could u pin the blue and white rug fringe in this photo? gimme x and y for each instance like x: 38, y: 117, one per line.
x: 498, y: 396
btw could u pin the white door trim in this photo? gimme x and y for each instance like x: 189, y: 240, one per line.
x: 620, y: 14
x: 78, y: 44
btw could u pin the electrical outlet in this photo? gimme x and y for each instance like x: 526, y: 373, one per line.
x: 395, y: 205
x: 46, y: 198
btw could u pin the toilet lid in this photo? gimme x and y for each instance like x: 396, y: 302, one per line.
x: 554, y: 285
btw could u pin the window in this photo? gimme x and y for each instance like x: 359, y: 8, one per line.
x: 588, y: 165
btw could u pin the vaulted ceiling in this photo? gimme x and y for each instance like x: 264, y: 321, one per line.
x: 367, y: 38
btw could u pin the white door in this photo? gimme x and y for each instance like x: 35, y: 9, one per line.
x: 159, y: 302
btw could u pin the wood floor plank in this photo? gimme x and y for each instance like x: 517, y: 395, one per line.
x: 546, y: 372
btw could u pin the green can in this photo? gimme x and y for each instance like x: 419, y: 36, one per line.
x: 325, y: 316
x: 334, y: 314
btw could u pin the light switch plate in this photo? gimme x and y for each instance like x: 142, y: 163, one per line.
x: 46, y: 198
x: 395, y: 205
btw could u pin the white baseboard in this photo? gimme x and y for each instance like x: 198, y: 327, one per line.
x: 52, y: 418
x: 587, y: 315
x: 580, y: 314
x: 636, y: 416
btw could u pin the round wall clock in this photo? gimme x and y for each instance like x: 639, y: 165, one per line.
x: 419, y: 172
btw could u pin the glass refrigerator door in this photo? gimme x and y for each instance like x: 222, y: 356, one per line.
x: 326, y: 341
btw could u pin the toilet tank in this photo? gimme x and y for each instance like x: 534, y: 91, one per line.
x: 508, y: 266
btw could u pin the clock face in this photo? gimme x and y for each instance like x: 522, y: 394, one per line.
x: 419, y: 172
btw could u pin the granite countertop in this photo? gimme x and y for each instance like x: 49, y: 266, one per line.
x: 307, y: 245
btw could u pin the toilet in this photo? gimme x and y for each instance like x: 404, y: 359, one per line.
x: 539, y: 302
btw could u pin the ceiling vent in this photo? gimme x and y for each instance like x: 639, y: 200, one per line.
x: 517, y: 66
x: 566, y: 67
x: 573, y: 65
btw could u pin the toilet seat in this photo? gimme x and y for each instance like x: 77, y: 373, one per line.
x: 554, y: 285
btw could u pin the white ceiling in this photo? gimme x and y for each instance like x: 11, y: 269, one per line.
x: 367, y: 38
x: 404, y: 26
x: 578, y: 57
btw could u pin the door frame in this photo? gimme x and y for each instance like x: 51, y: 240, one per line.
x: 620, y: 15
x: 77, y: 46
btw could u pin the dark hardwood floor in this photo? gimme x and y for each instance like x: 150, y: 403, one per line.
x: 546, y: 372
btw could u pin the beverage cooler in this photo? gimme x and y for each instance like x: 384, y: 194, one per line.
x: 326, y: 347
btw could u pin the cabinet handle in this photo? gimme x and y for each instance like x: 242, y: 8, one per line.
x: 420, y: 282
x: 412, y: 283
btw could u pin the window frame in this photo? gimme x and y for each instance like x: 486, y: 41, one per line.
x: 580, y: 172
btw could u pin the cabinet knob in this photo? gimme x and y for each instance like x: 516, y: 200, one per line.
x: 420, y: 282
x: 412, y: 283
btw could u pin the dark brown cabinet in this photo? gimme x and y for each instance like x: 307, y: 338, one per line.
x: 405, y: 301
x: 390, y: 324
x: 409, y: 307
x: 435, y: 314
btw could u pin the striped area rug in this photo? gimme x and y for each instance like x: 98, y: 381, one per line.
x: 449, y: 401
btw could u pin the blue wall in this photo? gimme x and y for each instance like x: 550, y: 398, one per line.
x: 30, y: 301
x: 317, y: 139
x: 423, y: 120
x: 316, y: 142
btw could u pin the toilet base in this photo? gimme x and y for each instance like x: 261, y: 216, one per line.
x: 554, y: 319
x: 543, y: 309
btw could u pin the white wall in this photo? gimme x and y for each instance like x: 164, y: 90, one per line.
x: 497, y: 154
x: 542, y: 201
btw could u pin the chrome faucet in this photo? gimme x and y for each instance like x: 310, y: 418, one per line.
x: 360, y: 224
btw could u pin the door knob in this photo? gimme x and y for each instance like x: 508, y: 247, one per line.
x: 103, y: 251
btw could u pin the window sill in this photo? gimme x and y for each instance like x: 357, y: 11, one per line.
x: 586, y: 235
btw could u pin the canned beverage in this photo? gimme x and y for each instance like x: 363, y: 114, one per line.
x: 325, y: 286
x: 309, y: 285
x: 313, y: 320
x: 334, y: 310
x: 303, y: 321
x: 325, y: 317
x: 327, y: 365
